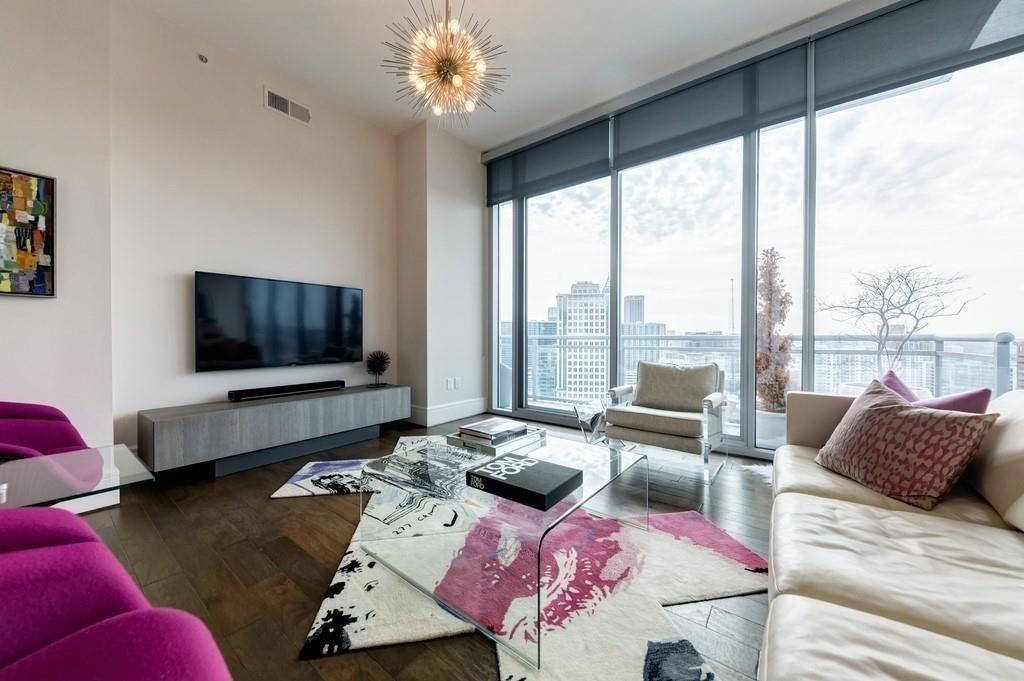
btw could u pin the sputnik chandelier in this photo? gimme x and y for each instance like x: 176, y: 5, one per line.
x: 444, y: 64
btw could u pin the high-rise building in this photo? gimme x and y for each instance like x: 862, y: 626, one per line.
x: 632, y: 309
x: 1019, y: 382
x: 583, y: 327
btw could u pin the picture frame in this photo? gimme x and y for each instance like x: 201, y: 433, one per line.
x: 28, y: 209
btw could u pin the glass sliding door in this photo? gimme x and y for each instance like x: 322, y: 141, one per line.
x: 780, y: 283
x: 504, y: 281
x: 682, y: 227
x: 919, y: 237
x: 567, y: 295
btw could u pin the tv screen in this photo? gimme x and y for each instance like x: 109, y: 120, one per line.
x: 246, y: 323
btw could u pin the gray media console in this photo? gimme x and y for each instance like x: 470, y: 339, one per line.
x: 240, y: 435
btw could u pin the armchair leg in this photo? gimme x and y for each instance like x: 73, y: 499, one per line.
x: 711, y: 475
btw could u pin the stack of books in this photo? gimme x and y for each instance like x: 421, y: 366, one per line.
x: 495, y: 436
x: 493, y: 431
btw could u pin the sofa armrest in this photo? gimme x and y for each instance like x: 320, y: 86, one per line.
x: 811, y: 417
x: 620, y: 393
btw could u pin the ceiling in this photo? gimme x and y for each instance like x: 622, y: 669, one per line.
x: 564, y: 56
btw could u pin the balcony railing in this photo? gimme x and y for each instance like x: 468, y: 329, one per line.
x: 843, y: 363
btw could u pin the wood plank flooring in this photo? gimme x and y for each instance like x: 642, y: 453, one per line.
x: 255, y: 569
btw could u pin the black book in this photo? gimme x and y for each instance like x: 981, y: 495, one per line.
x: 525, y: 480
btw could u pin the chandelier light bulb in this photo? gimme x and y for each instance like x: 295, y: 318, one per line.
x: 444, y: 62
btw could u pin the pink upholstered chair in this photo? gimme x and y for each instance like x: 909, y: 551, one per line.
x: 28, y: 430
x: 37, y: 431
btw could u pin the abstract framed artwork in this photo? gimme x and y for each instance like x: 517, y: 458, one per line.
x: 27, y: 222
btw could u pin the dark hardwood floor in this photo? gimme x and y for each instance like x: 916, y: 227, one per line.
x: 256, y: 569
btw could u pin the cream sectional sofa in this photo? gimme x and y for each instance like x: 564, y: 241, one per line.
x: 866, y: 587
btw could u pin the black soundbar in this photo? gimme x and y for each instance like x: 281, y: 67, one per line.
x: 279, y: 390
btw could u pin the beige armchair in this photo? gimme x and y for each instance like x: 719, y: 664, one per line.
x: 674, y: 407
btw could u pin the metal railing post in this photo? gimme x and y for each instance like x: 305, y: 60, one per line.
x: 940, y: 347
x: 1004, y: 359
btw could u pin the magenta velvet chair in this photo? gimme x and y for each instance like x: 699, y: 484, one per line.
x: 37, y: 431
x: 29, y: 430
x: 69, y: 610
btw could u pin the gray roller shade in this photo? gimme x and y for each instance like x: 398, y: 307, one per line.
x: 920, y: 41
x: 766, y: 92
x: 575, y: 157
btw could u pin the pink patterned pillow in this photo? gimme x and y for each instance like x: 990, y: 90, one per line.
x: 912, y: 454
x: 971, y: 401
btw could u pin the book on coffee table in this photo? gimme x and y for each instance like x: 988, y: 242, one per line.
x: 525, y: 480
x: 494, y: 430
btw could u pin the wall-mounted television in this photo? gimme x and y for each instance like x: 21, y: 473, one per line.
x: 248, y: 323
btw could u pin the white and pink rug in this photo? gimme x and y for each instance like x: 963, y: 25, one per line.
x: 603, y: 583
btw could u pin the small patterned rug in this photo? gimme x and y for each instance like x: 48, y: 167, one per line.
x: 603, y: 584
x: 318, y: 478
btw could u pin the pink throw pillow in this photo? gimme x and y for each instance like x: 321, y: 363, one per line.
x: 906, y: 452
x: 971, y: 401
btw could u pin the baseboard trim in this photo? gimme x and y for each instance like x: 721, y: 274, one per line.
x: 443, y: 413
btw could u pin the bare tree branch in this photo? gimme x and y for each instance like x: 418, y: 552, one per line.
x: 895, y: 305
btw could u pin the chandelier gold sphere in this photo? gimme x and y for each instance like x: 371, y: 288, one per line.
x: 443, y: 64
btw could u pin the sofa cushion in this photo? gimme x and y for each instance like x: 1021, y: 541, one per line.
x: 970, y: 401
x: 690, y: 445
x: 50, y: 593
x: 794, y: 470
x: 911, y: 454
x: 143, y: 644
x: 807, y: 639
x: 676, y: 388
x: 682, y: 423
x: 952, y: 578
x: 998, y: 470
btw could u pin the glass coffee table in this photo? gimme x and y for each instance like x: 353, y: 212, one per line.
x: 508, y: 569
x: 46, y: 480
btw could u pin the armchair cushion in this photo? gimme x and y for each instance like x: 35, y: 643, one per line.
x: 674, y: 388
x: 681, y: 423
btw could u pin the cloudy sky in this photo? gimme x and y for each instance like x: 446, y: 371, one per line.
x: 934, y: 177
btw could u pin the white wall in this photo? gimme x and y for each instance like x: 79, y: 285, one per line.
x: 55, y: 120
x: 456, y: 280
x: 442, y: 262
x: 412, y: 265
x: 204, y: 178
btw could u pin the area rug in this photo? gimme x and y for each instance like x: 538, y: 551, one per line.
x: 603, y: 583
x: 318, y: 478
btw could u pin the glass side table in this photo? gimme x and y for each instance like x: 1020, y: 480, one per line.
x: 46, y: 480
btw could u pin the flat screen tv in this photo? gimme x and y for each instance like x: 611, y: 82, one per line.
x: 247, y: 323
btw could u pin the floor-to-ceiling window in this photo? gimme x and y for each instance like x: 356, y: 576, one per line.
x: 504, y: 281
x: 567, y: 295
x: 919, y: 233
x: 681, y: 263
x: 779, y: 278
x: 807, y: 221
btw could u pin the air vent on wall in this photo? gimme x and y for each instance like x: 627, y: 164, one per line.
x: 283, y: 105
